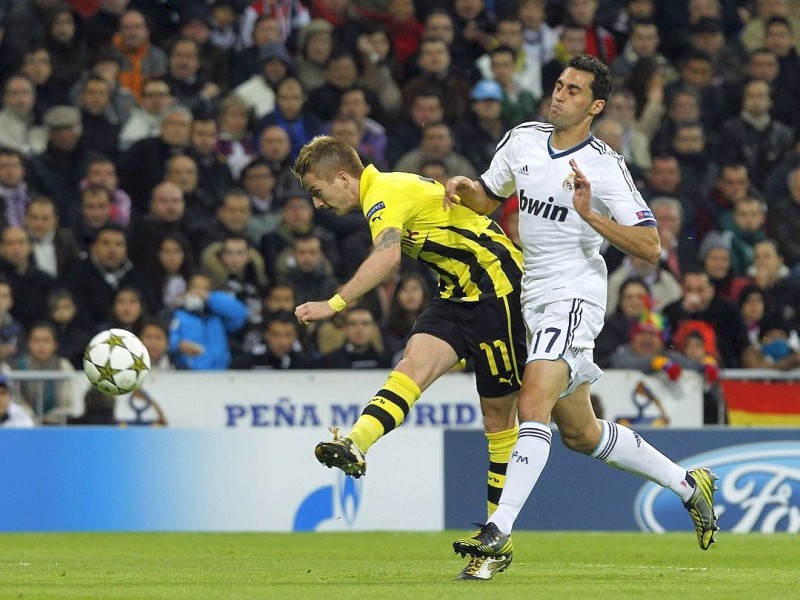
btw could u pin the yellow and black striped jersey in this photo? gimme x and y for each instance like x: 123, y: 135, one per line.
x: 469, y: 252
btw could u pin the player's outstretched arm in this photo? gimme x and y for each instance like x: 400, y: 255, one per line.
x: 641, y: 242
x: 383, y: 259
x: 467, y: 192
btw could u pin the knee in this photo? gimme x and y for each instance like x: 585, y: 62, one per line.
x: 499, y: 414
x: 417, y: 371
x: 581, y: 439
x: 406, y: 366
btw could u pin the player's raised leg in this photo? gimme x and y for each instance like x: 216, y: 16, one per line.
x: 426, y: 358
x: 625, y: 449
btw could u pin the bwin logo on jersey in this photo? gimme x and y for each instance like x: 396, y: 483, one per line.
x: 540, y: 208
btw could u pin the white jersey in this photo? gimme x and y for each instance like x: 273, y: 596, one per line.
x: 561, y: 251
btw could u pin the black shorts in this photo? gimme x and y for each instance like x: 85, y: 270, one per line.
x: 491, y: 332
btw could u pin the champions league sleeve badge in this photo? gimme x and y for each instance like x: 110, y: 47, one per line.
x: 569, y: 182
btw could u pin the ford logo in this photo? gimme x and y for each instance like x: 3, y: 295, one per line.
x: 759, y: 490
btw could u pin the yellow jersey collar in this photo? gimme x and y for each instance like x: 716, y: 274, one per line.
x: 367, y: 177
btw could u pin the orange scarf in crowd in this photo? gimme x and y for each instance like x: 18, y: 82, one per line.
x: 131, y: 76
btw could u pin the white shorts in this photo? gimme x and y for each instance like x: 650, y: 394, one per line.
x: 566, y: 329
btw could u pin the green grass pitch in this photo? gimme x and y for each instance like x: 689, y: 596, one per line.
x: 419, y: 566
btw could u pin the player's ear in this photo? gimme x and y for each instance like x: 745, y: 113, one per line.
x: 597, y: 107
x: 345, y: 178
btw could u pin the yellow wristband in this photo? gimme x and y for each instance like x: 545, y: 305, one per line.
x: 337, y: 303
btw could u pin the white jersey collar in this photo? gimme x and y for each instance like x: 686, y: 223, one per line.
x: 559, y: 153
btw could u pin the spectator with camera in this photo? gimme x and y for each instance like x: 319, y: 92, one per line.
x: 198, y: 338
x: 700, y: 302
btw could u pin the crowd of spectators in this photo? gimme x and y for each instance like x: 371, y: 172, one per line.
x: 146, y: 151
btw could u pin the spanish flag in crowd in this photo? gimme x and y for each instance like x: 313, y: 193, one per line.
x: 758, y: 403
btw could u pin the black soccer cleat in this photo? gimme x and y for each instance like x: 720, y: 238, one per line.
x: 343, y: 454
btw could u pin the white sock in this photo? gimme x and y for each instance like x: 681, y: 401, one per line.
x: 625, y: 449
x: 527, y: 462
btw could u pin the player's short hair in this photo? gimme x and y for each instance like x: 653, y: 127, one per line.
x: 601, y: 86
x: 325, y: 156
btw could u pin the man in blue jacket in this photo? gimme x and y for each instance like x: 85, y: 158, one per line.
x: 198, y: 337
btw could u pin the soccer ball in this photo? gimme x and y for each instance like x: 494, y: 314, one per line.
x: 116, y: 362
